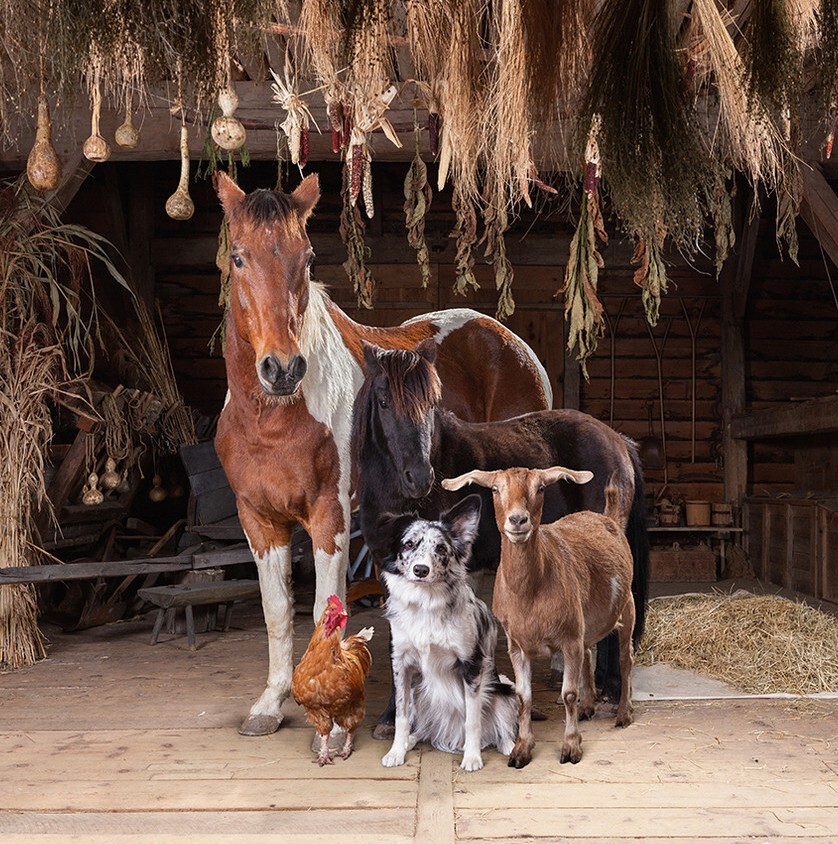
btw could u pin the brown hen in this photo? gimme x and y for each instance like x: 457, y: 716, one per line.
x: 329, y: 681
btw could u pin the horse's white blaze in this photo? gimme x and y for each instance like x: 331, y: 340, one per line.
x: 278, y: 606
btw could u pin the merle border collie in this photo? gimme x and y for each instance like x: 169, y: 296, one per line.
x: 448, y: 691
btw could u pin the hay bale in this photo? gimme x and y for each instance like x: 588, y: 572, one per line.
x: 761, y: 644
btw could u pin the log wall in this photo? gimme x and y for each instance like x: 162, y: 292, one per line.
x: 790, y: 342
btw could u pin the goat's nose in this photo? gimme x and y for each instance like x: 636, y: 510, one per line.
x: 518, y: 520
x: 421, y: 571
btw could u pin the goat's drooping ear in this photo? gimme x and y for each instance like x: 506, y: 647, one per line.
x: 476, y: 476
x: 462, y: 521
x: 371, y: 352
x: 559, y: 473
x: 230, y: 194
x: 306, y: 195
x: 427, y: 349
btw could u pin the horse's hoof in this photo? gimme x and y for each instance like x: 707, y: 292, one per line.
x: 383, y: 732
x: 259, y: 725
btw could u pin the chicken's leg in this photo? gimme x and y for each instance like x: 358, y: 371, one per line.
x: 324, y: 757
x: 346, y: 751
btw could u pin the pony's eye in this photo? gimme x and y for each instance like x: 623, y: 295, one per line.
x: 237, y: 262
x: 382, y: 403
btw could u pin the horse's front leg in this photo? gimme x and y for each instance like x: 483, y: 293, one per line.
x: 329, y: 529
x: 272, y: 552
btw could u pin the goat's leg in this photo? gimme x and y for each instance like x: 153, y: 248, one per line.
x: 573, y: 661
x: 522, y: 751
x: 402, y: 681
x: 587, y: 693
x: 626, y: 628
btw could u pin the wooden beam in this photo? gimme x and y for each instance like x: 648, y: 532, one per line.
x: 735, y: 282
x: 819, y: 209
x: 86, y: 571
x: 571, y: 376
x: 815, y: 416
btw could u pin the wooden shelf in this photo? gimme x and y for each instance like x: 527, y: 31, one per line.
x: 815, y: 416
x: 696, y: 529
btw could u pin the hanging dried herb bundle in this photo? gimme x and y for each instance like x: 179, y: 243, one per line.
x: 352, y: 234
x: 465, y: 235
x: 417, y: 194
x: 721, y: 210
x: 650, y: 276
x: 497, y: 222
x: 650, y: 138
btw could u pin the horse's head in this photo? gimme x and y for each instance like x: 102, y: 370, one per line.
x: 270, y: 257
x: 396, y: 409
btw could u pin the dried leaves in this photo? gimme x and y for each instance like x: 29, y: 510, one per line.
x: 352, y: 234
x: 417, y: 194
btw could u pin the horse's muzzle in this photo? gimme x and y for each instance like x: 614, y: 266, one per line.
x: 417, y: 482
x: 279, y: 380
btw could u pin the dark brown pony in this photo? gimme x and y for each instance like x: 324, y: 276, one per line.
x: 405, y: 441
x: 293, y: 369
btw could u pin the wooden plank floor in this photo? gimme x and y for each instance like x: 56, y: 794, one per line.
x: 112, y: 740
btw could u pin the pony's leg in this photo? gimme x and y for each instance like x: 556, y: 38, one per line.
x: 573, y: 662
x: 522, y: 751
x: 274, y: 567
x: 624, y: 710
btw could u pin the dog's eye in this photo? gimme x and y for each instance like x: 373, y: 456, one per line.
x: 408, y: 544
x: 440, y: 550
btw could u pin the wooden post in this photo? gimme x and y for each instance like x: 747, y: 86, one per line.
x: 734, y: 282
x: 571, y: 377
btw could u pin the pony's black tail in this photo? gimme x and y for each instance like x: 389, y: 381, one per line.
x: 638, y: 540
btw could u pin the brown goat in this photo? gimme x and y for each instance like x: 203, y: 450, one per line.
x: 560, y: 587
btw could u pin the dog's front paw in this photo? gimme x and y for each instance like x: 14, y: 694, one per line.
x: 393, y: 759
x: 472, y: 763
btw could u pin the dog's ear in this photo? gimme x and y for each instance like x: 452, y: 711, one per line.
x: 462, y: 521
x: 389, y: 529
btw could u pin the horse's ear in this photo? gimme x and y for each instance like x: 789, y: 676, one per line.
x: 462, y: 521
x: 230, y: 194
x: 427, y: 349
x: 306, y: 195
x: 370, y: 355
x: 476, y: 476
x: 559, y: 473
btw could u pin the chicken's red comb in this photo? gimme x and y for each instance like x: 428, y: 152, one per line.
x: 334, y: 601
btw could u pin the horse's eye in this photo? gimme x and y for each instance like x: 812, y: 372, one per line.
x: 237, y: 262
x: 382, y: 403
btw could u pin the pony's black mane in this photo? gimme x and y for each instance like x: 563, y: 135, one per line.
x: 414, y: 390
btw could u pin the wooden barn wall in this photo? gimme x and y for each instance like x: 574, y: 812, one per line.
x: 790, y: 342
x: 791, y: 354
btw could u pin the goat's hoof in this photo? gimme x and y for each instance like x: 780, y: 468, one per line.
x: 259, y: 725
x: 571, y: 754
x: 624, y: 719
x: 586, y: 713
x: 383, y: 731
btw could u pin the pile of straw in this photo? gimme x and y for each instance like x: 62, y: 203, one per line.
x: 761, y: 644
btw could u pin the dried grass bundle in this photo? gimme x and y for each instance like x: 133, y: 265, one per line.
x: 760, y: 644
x: 465, y: 235
x: 650, y: 138
x: 322, y: 40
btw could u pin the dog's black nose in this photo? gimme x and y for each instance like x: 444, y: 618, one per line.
x: 421, y: 571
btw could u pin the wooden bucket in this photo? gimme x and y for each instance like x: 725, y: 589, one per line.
x: 698, y: 513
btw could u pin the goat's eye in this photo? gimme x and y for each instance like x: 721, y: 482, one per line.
x: 541, y: 490
x: 237, y: 262
x: 494, y: 490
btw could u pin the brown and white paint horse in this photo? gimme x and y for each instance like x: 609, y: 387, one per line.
x: 294, y: 365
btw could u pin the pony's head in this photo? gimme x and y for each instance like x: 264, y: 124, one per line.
x: 270, y: 259
x: 395, y: 411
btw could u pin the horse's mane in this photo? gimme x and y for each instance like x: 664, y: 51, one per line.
x: 266, y: 206
x: 414, y: 385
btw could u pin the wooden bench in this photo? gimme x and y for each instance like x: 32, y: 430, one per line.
x: 188, y: 595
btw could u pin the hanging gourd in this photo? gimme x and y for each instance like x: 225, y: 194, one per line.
x: 91, y: 494
x: 110, y: 477
x: 96, y: 147
x: 227, y: 131
x: 43, y: 167
x: 179, y: 205
x: 126, y: 135
x: 157, y: 493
